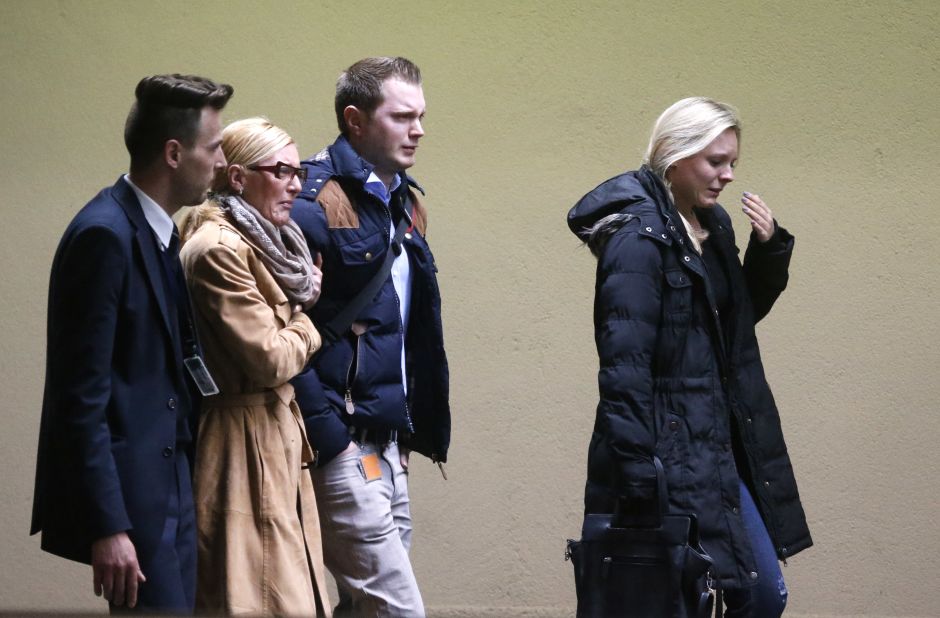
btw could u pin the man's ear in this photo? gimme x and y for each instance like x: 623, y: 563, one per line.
x: 172, y: 153
x: 355, y: 119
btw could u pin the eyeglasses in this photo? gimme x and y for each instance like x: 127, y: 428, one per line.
x: 282, y: 170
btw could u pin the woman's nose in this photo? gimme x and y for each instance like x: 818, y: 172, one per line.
x: 294, y: 186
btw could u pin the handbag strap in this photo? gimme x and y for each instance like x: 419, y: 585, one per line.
x: 337, y: 327
x: 663, y: 493
x: 626, y: 517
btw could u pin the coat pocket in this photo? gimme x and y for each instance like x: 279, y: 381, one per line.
x: 358, y: 250
x: 677, y: 294
x: 352, y: 373
x: 672, y: 447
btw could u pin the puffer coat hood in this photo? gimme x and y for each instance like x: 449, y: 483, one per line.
x: 607, y: 208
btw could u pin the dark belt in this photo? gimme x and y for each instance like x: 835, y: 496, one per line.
x: 379, y: 437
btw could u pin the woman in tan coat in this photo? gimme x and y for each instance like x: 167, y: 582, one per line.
x: 250, y: 276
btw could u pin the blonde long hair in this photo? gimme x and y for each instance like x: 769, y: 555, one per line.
x: 685, y: 129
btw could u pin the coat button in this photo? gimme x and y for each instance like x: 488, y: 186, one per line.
x: 686, y: 258
x: 168, y: 451
x: 171, y: 403
x: 750, y: 420
x: 408, y: 235
x: 753, y: 575
x: 766, y: 483
x: 734, y: 510
x: 368, y: 256
x: 674, y: 425
x: 664, y: 236
x: 649, y: 229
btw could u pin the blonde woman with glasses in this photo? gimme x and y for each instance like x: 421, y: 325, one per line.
x: 251, y: 275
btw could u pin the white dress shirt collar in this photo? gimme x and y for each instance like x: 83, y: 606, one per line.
x: 160, y: 222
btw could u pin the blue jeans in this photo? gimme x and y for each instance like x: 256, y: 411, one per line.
x: 768, y: 597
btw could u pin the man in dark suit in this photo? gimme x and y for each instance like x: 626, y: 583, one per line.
x: 112, y: 474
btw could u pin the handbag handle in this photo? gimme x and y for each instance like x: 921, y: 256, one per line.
x: 663, y: 492
x: 626, y: 514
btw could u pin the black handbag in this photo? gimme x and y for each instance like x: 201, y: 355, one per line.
x: 630, y: 570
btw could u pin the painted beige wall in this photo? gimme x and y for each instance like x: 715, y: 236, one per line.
x: 531, y: 104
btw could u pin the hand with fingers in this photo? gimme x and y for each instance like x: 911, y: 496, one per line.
x: 762, y: 219
x: 115, y: 570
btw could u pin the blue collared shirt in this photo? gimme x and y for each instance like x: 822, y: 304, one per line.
x: 401, y: 268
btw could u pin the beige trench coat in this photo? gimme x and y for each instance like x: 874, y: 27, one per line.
x: 259, y: 549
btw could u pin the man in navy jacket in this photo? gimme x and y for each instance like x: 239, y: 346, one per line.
x: 112, y: 474
x: 379, y: 386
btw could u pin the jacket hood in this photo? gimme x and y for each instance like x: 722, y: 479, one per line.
x: 607, y: 207
x: 614, y: 195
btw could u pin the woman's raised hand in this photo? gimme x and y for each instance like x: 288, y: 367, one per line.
x: 762, y: 220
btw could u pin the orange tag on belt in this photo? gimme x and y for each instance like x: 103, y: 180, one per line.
x: 369, y: 464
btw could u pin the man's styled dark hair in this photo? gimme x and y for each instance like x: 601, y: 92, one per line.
x: 361, y: 84
x: 169, y: 107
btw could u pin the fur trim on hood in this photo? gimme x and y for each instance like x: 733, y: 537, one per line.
x: 613, y: 203
x: 194, y: 217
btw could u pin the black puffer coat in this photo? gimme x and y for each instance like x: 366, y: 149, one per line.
x: 672, y: 385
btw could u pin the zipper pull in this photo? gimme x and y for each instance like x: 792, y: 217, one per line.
x: 350, y: 408
x: 440, y: 464
x: 605, y: 567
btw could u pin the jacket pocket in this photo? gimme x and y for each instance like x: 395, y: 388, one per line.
x: 672, y: 448
x: 352, y: 373
x: 356, y: 250
x: 677, y: 294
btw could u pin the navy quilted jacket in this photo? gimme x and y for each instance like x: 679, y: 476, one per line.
x: 356, y: 381
x: 672, y: 384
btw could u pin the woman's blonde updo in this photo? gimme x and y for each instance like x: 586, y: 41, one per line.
x: 247, y: 142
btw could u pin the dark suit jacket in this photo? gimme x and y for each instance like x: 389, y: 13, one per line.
x: 114, y: 384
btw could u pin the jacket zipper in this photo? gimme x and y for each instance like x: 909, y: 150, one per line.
x: 401, y: 327
x: 351, y: 374
x: 609, y: 561
x: 728, y: 367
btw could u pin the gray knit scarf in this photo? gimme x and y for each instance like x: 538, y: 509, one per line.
x: 283, y: 250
